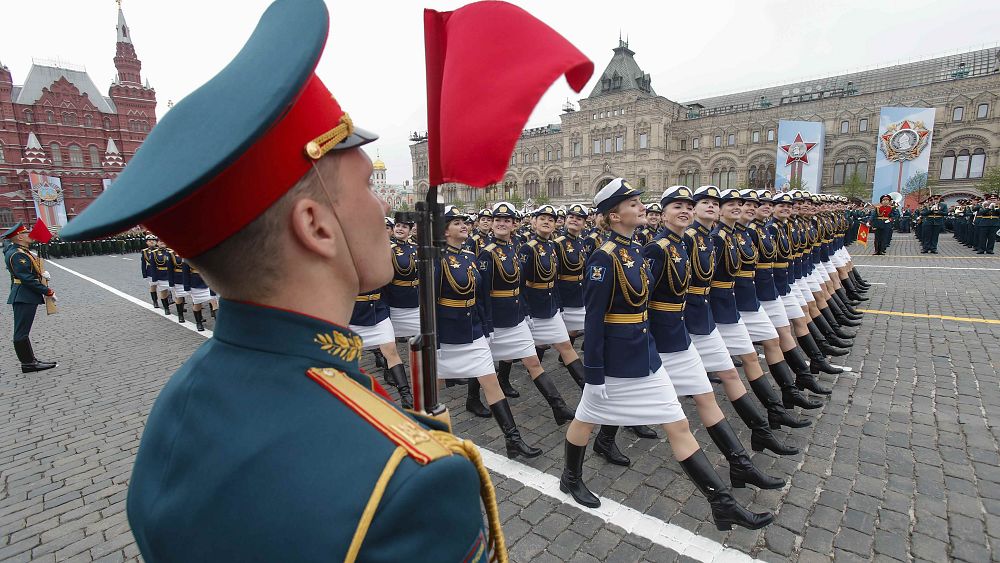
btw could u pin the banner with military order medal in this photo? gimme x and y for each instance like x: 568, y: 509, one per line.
x: 903, y: 149
x: 799, y: 162
x: 47, y: 193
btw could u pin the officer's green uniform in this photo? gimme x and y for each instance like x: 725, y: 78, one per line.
x: 933, y: 215
x: 269, y: 444
x: 28, y: 289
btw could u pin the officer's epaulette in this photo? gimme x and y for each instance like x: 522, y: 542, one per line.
x: 467, y: 251
x: 609, y: 247
x: 399, y: 428
x: 691, y: 232
x: 532, y: 242
x: 560, y: 238
x: 723, y: 233
x: 489, y: 247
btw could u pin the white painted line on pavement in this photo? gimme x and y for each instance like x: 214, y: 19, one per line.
x: 928, y: 267
x: 189, y: 325
x: 670, y: 536
x: 655, y: 530
x: 129, y: 259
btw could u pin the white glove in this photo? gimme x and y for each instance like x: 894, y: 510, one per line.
x: 46, y: 275
x: 600, y: 390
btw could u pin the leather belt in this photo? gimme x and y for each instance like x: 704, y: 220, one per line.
x: 723, y: 285
x: 535, y: 285
x: 625, y: 318
x: 457, y: 302
x: 372, y: 297
x: 506, y: 292
x: 571, y: 278
x: 698, y: 290
x: 406, y: 283
x: 666, y: 307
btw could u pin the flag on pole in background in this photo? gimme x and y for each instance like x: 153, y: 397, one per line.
x: 40, y: 232
x: 863, y: 234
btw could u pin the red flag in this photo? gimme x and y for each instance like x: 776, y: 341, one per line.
x: 863, y: 234
x: 488, y: 64
x: 40, y: 232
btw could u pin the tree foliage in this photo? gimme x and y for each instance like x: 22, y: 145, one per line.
x: 990, y: 184
x: 857, y: 188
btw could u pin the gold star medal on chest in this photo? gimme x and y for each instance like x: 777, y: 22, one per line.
x: 626, y: 258
x: 453, y: 262
x: 674, y: 255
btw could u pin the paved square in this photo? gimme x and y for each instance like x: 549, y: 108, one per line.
x: 902, y: 463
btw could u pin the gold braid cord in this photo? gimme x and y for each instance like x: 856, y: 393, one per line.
x: 468, y: 450
x: 321, y: 145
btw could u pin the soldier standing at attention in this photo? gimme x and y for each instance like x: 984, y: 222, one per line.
x: 146, y: 265
x: 933, y: 224
x: 29, y: 286
x: 270, y: 444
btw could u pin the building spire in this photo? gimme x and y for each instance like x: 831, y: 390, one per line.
x: 124, y: 36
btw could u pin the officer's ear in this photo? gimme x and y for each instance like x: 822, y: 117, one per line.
x: 314, y: 226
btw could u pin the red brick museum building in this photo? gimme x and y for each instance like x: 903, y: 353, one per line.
x: 58, y: 123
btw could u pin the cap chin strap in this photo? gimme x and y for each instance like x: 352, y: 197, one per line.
x: 333, y: 208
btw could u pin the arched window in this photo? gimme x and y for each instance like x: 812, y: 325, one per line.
x: 6, y: 216
x: 2, y: 160
x: 95, y: 157
x: 50, y: 117
x: 947, y: 166
x: 29, y: 116
x: 957, y: 113
x: 962, y: 165
x: 717, y: 177
x: 56, y: 154
x: 731, y: 178
x: 88, y: 121
x: 850, y: 169
x: 978, y: 163
x: 107, y: 123
x: 769, y: 177
x: 845, y: 126
x: 75, y: 156
x: 838, y: 173
x: 752, y: 178
x: 863, y: 169
x: 69, y: 118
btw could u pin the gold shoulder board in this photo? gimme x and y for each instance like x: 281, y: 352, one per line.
x: 532, y: 242
x: 396, y: 426
x: 560, y: 238
x: 609, y: 247
x: 691, y: 232
x: 490, y: 246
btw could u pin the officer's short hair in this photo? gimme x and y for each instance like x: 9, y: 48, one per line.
x: 250, y: 264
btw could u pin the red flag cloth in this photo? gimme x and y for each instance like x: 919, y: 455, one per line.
x: 40, y: 232
x: 488, y: 64
x: 863, y: 234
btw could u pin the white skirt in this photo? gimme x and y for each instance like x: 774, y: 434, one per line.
x: 548, y: 331
x: 713, y: 352
x: 686, y: 372
x: 839, y: 258
x: 736, y: 337
x: 465, y: 360
x: 512, y: 343
x: 775, y: 312
x: 573, y: 318
x: 161, y: 285
x: 831, y: 270
x: 846, y: 255
x: 632, y: 401
x: 792, y: 308
x: 200, y: 295
x: 374, y: 336
x: 813, y: 282
x: 758, y: 325
x: 154, y: 285
x: 178, y: 291
x: 405, y: 322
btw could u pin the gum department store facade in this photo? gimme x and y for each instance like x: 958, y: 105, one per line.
x: 624, y: 128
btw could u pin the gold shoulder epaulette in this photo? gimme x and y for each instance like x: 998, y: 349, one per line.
x: 467, y: 251
x: 532, y: 242
x: 662, y: 243
x: 490, y: 246
x: 722, y: 234
x: 560, y: 238
x: 691, y: 232
x: 396, y: 426
x: 608, y: 247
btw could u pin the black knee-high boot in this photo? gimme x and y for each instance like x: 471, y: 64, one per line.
x: 503, y: 376
x: 512, y: 437
x: 575, y: 369
x: 199, y: 320
x: 791, y: 397
x: 777, y: 416
x: 166, y: 306
x: 741, y: 468
x: 761, y: 437
x: 571, y: 480
x: 725, y: 510
x: 547, y: 388
x: 799, y: 362
x: 180, y: 313
x: 396, y: 376
x: 540, y: 352
x: 606, y: 447
x: 825, y: 345
x: 472, y: 402
x: 156, y: 301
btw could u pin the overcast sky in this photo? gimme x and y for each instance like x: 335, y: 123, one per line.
x: 374, y: 61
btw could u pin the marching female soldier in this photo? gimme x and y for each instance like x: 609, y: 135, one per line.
x: 370, y: 319
x: 671, y: 269
x: 462, y: 328
x: 539, y: 265
x: 625, y: 380
x: 751, y: 245
x: 401, y: 294
x: 500, y: 274
x: 177, y: 283
x: 146, y: 265
x: 704, y: 332
x: 572, y: 257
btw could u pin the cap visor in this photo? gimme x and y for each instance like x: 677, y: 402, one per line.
x: 358, y: 138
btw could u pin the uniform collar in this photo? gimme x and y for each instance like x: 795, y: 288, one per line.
x: 673, y: 236
x: 287, y: 333
x: 453, y: 249
x: 701, y: 228
x: 622, y: 240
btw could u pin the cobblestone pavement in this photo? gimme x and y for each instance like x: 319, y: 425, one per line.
x: 902, y: 463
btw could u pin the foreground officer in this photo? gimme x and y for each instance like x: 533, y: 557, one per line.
x: 270, y: 444
x: 29, y: 285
